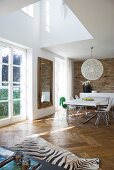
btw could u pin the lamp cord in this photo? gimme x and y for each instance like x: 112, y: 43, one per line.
x: 91, y: 51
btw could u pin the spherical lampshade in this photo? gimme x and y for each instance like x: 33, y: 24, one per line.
x: 92, y: 69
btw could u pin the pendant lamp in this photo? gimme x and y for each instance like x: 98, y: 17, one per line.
x: 92, y: 69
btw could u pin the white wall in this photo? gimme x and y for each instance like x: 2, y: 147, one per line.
x: 64, y: 26
x: 20, y: 28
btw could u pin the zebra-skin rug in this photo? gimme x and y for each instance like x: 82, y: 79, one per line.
x: 39, y: 148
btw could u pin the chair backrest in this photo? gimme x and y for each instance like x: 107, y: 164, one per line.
x: 61, y: 102
x: 108, y: 106
x: 71, y: 98
x: 76, y: 96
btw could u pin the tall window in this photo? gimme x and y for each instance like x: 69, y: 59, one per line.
x: 29, y: 10
x: 12, y: 81
x: 47, y: 16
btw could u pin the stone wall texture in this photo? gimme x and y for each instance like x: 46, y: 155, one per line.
x: 104, y: 84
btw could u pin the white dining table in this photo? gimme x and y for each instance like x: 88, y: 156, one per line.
x: 80, y: 102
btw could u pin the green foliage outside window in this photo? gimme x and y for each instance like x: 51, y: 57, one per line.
x: 4, y: 104
x: 3, y: 110
x: 16, y: 108
x: 16, y: 93
x: 3, y: 94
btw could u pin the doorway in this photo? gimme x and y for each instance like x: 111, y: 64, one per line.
x: 59, y: 81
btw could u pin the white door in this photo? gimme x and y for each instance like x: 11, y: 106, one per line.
x: 12, y: 84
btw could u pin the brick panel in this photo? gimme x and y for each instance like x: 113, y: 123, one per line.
x: 104, y: 84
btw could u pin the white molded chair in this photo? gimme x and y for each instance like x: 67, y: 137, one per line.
x: 104, y: 112
x: 71, y: 108
x: 76, y: 96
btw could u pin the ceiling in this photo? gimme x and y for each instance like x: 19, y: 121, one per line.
x: 98, y: 18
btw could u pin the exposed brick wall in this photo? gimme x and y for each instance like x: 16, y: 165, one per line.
x: 104, y: 84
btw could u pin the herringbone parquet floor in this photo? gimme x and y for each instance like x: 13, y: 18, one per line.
x: 86, y: 141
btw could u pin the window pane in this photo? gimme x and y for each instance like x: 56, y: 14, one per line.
x: 31, y: 10
x: 5, y: 84
x: 16, y: 93
x: 3, y: 93
x: 5, y: 59
x: 4, y: 73
x: 17, y: 57
x: 16, y: 74
x: 16, y: 108
x: 16, y: 84
x: 3, y: 110
x: 5, y: 52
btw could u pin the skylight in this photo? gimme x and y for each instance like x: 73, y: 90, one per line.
x: 29, y: 10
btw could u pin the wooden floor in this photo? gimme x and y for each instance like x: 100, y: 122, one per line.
x: 84, y: 141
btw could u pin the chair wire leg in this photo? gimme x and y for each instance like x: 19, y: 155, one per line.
x: 106, y: 118
x: 98, y: 118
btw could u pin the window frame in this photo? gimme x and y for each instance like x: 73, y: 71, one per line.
x: 10, y: 84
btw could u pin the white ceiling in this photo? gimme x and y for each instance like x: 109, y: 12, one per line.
x: 98, y: 18
x: 59, y: 29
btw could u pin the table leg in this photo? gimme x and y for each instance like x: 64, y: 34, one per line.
x: 90, y: 118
